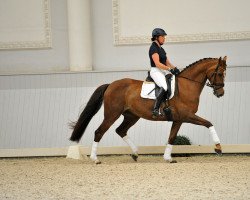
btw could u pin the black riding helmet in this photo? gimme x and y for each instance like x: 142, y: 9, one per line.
x: 158, y: 32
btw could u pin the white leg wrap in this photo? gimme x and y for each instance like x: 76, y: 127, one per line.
x: 131, y: 144
x: 168, y: 151
x: 93, y: 155
x: 214, y: 135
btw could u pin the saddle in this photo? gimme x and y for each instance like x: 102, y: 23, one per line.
x: 157, y: 88
x: 150, y: 90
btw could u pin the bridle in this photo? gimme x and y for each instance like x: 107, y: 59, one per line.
x: 212, y: 84
x: 215, y: 86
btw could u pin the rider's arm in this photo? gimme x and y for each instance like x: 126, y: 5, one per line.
x: 158, y: 64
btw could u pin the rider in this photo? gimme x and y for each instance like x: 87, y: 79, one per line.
x: 160, y: 66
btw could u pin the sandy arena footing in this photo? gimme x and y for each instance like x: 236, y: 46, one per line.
x: 119, y: 177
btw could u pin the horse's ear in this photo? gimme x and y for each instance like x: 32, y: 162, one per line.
x: 225, y: 58
x: 220, y: 60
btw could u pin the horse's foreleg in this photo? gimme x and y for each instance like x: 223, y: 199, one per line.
x: 194, y: 119
x: 128, y: 121
x: 215, y: 139
x: 173, y: 133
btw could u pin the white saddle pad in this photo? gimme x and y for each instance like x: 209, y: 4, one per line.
x: 148, y: 89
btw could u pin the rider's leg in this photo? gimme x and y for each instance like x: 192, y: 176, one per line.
x: 168, y: 80
x: 158, y: 101
x: 159, y: 78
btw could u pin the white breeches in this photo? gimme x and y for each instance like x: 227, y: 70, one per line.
x: 158, y: 76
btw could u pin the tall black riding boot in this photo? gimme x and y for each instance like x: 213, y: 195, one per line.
x: 158, y: 101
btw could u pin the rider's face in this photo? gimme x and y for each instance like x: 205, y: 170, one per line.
x: 161, y: 39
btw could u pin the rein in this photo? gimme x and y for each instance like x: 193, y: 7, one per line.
x: 213, y: 85
x: 189, y: 79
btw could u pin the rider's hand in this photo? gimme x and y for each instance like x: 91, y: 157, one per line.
x: 175, y: 71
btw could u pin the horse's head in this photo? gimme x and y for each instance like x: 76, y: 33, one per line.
x: 216, y: 76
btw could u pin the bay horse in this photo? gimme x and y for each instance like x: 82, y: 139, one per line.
x: 122, y: 97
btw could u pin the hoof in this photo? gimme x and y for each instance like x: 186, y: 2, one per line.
x: 97, y: 162
x: 134, y: 156
x: 95, y: 159
x: 156, y: 115
x: 171, y: 161
x: 218, y: 152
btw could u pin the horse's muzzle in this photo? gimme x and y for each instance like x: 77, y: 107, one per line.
x: 219, y: 92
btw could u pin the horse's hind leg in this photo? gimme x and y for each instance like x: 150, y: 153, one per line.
x: 128, y: 121
x: 105, y: 125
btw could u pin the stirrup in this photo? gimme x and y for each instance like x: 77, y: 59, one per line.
x: 167, y: 110
x: 156, y: 113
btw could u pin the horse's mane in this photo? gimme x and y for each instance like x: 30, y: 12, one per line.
x: 197, y: 62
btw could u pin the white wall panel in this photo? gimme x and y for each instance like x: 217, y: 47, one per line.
x: 36, y: 60
x: 25, y: 24
x: 35, y: 111
x: 187, y: 21
x: 106, y: 56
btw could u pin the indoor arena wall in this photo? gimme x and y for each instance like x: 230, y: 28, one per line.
x: 36, y: 109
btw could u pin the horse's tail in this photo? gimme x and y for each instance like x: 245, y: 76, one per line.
x: 93, y: 106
